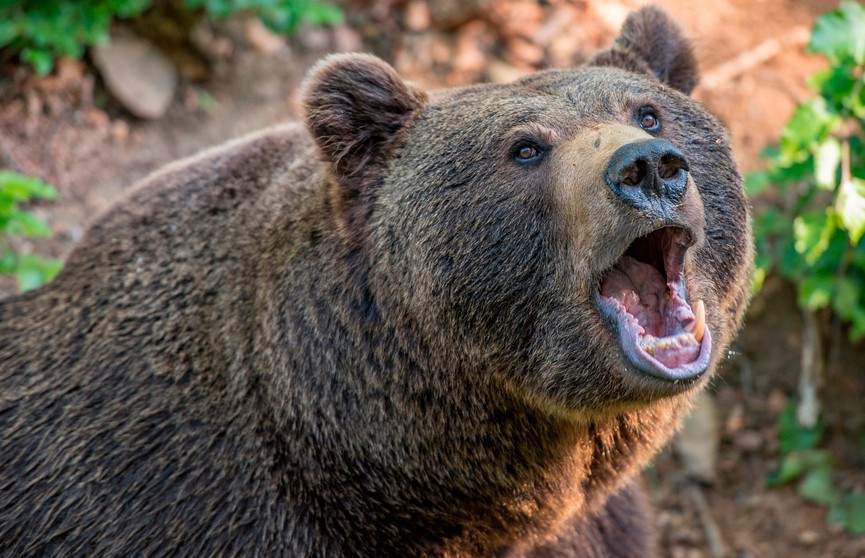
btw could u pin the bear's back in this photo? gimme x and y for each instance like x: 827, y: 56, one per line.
x: 116, y: 378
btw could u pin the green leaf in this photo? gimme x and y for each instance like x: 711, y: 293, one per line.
x: 20, y: 187
x: 840, y: 86
x: 857, y: 328
x: 808, y: 125
x: 816, y: 291
x: 839, y: 34
x: 827, y: 158
x: 33, y: 271
x: 791, y: 468
x: 850, y: 512
x: 791, y: 436
x: 8, y: 261
x: 851, y: 207
x: 39, y: 58
x: 321, y: 14
x: 758, y: 278
x: 846, y: 297
x: 26, y: 224
x: 791, y: 264
x: 756, y: 182
x: 812, y: 234
x: 817, y: 485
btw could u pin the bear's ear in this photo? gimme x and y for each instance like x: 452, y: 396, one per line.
x: 356, y: 106
x: 651, y: 42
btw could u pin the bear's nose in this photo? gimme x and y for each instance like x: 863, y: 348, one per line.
x: 646, y: 173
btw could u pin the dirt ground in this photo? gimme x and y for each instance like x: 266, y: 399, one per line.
x: 68, y: 130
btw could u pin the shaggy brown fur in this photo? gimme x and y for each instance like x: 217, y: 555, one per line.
x: 394, y: 352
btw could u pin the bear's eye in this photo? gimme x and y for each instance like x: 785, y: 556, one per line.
x: 649, y: 121
x: 527, y: 153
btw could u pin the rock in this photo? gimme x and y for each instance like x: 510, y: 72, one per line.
x: 452, y: 13
x: 475, y: 41
x: 697, y: 442
x: 346, y: 39
x: 138, y: 75
x: 119, y: 131
x: 735, y: 419
x: 777, y: 401
x: 261, y: 38
x: 417, y: 16
x: 809, y: 537
x: 525, y: 52
x: 749, y: 441
x: 500, y: 72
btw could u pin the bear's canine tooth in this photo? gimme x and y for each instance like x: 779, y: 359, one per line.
x: 699, y: 321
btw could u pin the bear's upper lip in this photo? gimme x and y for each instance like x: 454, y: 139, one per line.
x: 644, y: 297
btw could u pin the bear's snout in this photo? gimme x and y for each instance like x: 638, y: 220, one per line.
x: 648, y: 175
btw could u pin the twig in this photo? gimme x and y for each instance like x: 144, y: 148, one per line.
x: 811, y: 378
x: 752, y: 58
x: 717, y: 548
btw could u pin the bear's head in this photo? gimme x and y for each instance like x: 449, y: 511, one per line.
x: 580, y: 236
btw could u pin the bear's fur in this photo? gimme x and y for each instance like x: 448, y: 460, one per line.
x: 376, y: 336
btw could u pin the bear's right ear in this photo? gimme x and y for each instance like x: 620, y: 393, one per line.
x: 651, y: 42
x: 356, y: 106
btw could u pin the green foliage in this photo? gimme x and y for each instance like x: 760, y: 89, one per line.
x: 40, y: 31
x: 813, y: 234
x: 803, y: 462
x: 281, y: 16
x: 813, y: 237
x: 30, y: 270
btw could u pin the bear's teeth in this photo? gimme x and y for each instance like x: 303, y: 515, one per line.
x: 652, y: 344
x: 698, y: 326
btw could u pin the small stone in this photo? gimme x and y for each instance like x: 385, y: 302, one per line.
x: 95, y: 118
x: 120, y: 131
x: 346, y: 39
x: 417, y: 16
x: 205, y: 38
x: 524, y: 51
x: 749, y: 441
x: 474, y: 42
x: 138, y: 75
x: 698, y: 440
x: 500, y: 72
x: 452, y: 13
x: 735, y: 420
x: 809, y: 537
x: 777, y: 401
x: 261, y: 38
x: 613, y: 14
x: 316, y: 39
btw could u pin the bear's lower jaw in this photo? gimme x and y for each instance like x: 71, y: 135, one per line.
x: 645, y: 298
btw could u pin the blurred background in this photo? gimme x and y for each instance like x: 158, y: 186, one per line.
x: 96, y: 94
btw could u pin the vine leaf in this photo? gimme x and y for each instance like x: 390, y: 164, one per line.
x: 839, y: 36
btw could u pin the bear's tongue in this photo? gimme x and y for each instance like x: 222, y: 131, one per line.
x: 665, y: 325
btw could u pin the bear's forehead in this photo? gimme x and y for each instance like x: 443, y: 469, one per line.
x: 558, y: 98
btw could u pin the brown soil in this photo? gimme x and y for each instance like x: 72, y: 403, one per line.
x: 67, y: 130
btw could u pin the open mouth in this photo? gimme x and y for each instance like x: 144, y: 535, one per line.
x: 644, y: 294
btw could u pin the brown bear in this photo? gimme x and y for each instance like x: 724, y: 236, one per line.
x: 446, y: 324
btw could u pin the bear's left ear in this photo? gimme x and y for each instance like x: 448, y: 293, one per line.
x: 356, y: 106
x: 650, y: 42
